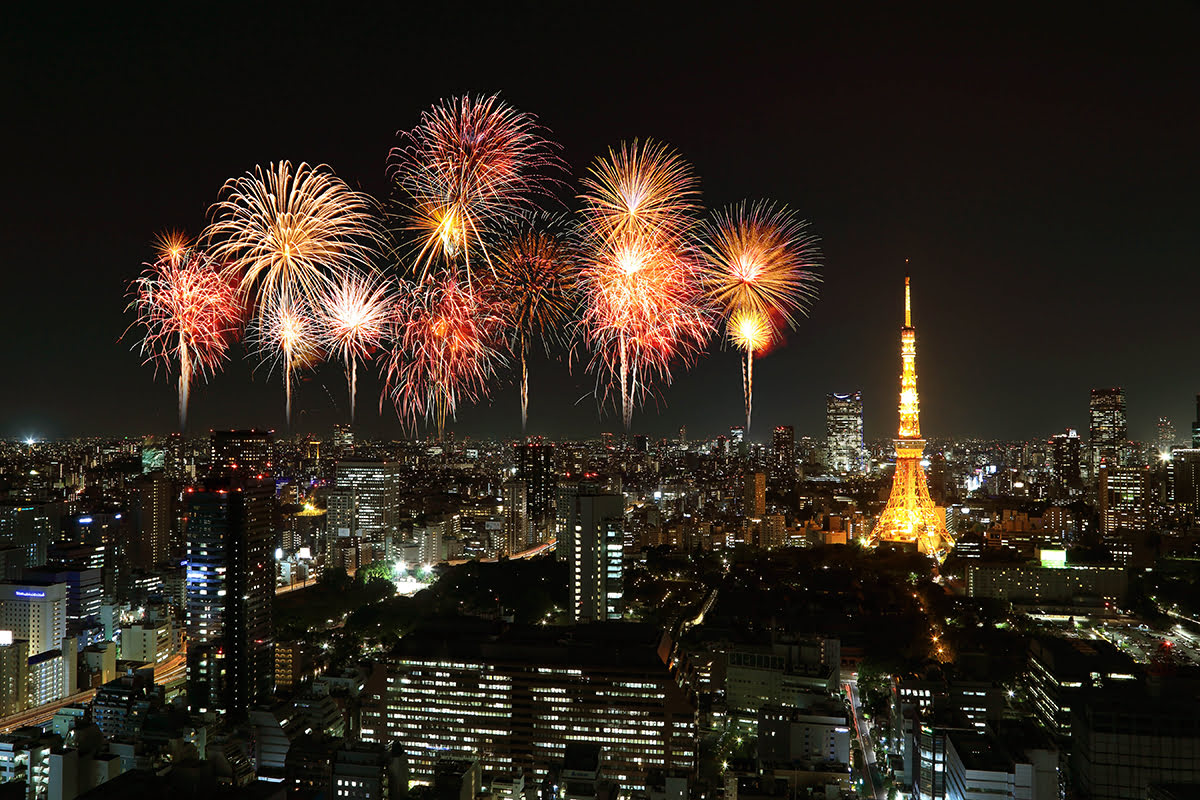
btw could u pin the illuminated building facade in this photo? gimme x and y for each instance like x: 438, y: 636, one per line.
x: 534, y: 460
x: 516, y: 698
x: 754, y: 495
x: 516, y: 517
x: 376, y: 488
x: 783, y: 454
x: 1108, y: 432
x: 597, y: 560
x: 1065, y: 480
x: 247, y: 452
x: 910, y: 516
x: 844, y: 451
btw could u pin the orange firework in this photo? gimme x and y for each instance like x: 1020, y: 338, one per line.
x: 287, y: 332
x: 470, y: 165
x: 190, y: 314
x: 445, y: 350
x: 760, y: 267
x: 533, y: 286
x: 355, y: 317
x: 644, y: 309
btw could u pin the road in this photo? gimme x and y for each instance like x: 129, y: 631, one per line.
x: 862, y: 729
x: 291, y: 587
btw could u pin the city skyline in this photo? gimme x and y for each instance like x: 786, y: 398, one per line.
x: 1018, y: 240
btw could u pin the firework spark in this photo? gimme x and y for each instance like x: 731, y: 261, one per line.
x: 171, y: 245
x: 533, y: 286
x: 190, y: 314
x: 760, y: 267
x: 471, y: 164
x: 445, y: 350
x: 288, y: 235
x: 643, y: 309
x: 288, y: 334
x: 355, y: 318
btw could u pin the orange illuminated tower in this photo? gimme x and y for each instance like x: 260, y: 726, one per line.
x: 910, y: 516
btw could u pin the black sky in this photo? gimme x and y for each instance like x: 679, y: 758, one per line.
x: 1037, y: 164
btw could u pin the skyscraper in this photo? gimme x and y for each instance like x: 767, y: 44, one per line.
x: 567, y: 510
x: 153, y: 521
x: 534, y: 460
x: 1065, y: 479
x: 754, y: 495
x: 1122, y: 498
x: 1108, y: 430
x: 516, y: 517
x: 910, y: 516
x: 230, y: 590
x: 1196, y: 426
x: 376, y: 486
x: 844, y: 451
x: 597, y: 558
x: 783, y: 453
x: 1165, y: 439
x: 241, y: 452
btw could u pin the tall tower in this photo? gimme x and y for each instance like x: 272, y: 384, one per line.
x: 844, y: 432
x: 910, y: 515
x: 1108, y: 429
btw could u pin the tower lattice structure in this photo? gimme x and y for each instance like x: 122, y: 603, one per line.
x: 911, y: 516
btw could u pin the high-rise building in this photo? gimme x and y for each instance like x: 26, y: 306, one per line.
x: 516, y: 517
x: 910, y: 516
x: 844, y: 451
x: 154, y: 516
x: 247, y: 453
x: 1065, y: 479
x: 27, y: 527
x: 376, y: 486
x: 1123, y: 495
x: 84, y: 596
x: 783, y: 454
x: 597, y: 558
x: 1183, y: 478
x: 14, y: 674
x: 36, y: 612
x: 1196, y: 426
x: 1108, y: 429
x: 754, y: 495
x: 567, y: 510
x: 534, y: 460
x: 1165, y: 438
x: 230, y: 590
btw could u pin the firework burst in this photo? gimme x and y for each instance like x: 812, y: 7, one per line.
x: 533, y: 286
x: 760, y: 267
x: 644, y: 309
x: 445, y: 350
x: 471, y: 164
x: 288, y: 236
x: 288, y: 334
x: 190, y: 314
x: 355, y: 318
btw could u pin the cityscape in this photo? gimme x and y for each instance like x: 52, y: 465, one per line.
x: 436, y: 482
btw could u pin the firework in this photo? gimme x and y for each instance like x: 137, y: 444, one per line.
x: 470, y: 165
x: 760, y: 267
x: 355, y: 318
x: 288, y: 236
x: 444, y: 352
x: 533, y: 286
x: 287, y: 333
x: 190, y: 314
x: 643, y: 308
x: 171, y: 245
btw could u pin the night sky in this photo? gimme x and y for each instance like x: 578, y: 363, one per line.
x: 1038, y: 165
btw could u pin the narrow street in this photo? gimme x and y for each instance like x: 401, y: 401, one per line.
x: 862, y: 729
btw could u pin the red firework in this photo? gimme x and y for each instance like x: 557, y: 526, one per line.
x: 190, y: 315
x: 445, y: 350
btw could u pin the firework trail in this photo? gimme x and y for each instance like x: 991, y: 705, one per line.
x: 190, y: 314
x: 288, y: 235
x: 355, y: 318
x: 760, y: 271
x: 643, y: 306
x: 445, y: 350
x: 471, y: 164
x: 533, y: 286
x: 287, y: 333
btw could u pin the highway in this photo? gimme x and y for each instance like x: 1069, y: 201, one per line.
x: 862, y: 729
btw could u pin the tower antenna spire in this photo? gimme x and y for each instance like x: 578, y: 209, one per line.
x: 907, y: 304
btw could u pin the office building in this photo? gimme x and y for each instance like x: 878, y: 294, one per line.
x: 818, y: 734
x: 35, y: 612
x: 84, y: 596
x: 154, y: 517
x: 14, y: 674
x: 1059, y: 673
x: 516, y: 517
x: 1123, y: 498
x: 1164, y: 436
x: 516, y: 696
x: 376, y: 486
x: 783, y: 454
x: 597, y: 560
x: 1053, y: 583
x: 230, y: 590
x: 148, y: 642
x: 534, y: 461
x: 1065, y: 478
x: 566, y: 509
x: 754, y: 495
x: 844, y: 450
x: 247, y: 453
x: 28, y: 528
x: 1108, y: 435
x: 366, y: 771
x: 1196, y: 426
x: 1183, y: 478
